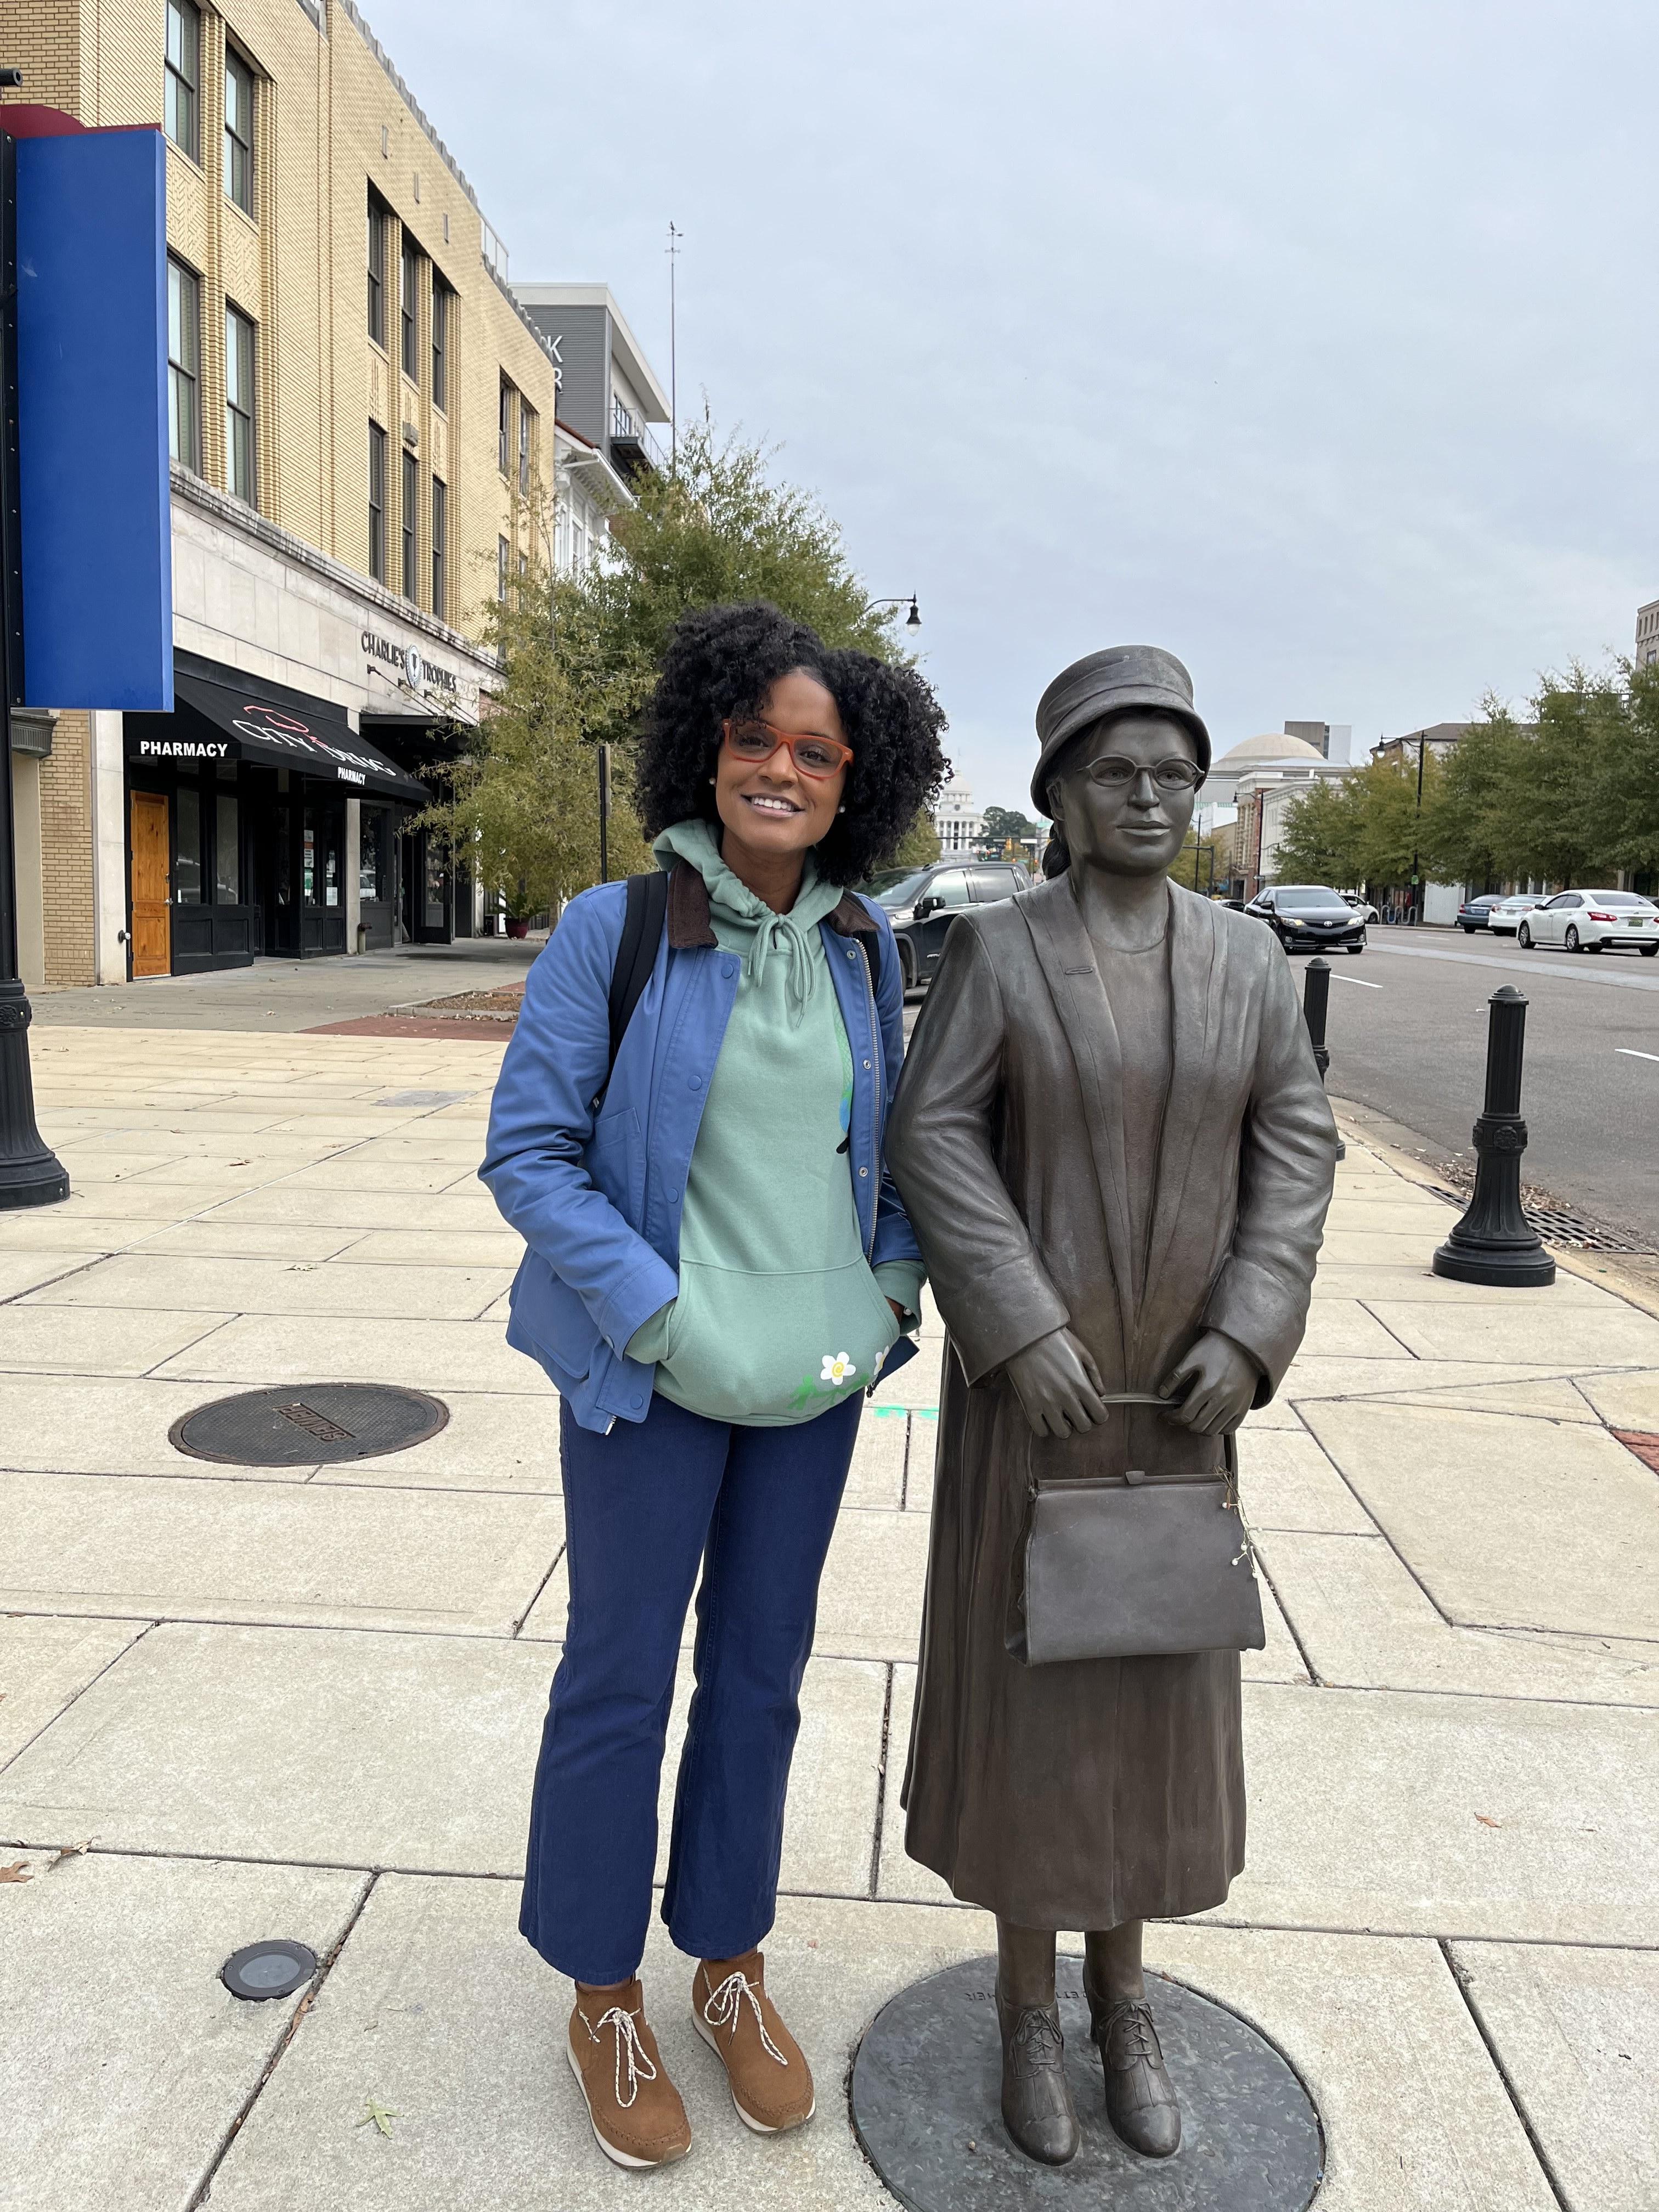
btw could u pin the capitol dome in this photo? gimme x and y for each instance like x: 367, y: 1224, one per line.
x: 1275, y: 746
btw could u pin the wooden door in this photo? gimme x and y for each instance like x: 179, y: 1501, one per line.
x: 152, y: 877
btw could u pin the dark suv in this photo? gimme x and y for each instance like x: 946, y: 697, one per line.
x: 1309, y: 918
x: 922, y: 904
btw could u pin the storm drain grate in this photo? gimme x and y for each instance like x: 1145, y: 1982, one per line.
x: 1570, y: 1230
x: 304, y: 1426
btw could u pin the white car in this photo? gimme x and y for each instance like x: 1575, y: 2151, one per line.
x: 1505, y: 919
x: 1589, y: 921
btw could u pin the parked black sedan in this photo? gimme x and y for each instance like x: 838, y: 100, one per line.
x: 1309, y: 918
x: 922, y: 904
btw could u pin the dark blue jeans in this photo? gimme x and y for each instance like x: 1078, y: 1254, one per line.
x: 644, y: 1506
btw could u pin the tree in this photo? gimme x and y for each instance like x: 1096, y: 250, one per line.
x: 1320, y: 841
x: 920, y: 848
x: 1002, y: 827
x: 579, y: 654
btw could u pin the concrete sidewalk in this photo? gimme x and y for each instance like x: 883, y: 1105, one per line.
x: 306, y: 1703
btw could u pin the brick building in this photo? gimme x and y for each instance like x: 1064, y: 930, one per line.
x: 359, y: 416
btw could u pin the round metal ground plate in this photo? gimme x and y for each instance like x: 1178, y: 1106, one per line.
x: 307, y: 1424
x: 926, y: 2090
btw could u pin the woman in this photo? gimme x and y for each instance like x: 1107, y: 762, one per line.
x: 717, y: 1269
x: 1113, y: 1140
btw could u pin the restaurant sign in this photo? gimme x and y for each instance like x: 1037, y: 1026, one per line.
x: 429, y: 678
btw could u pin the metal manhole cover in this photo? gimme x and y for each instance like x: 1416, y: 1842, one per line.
x: 308, y: 1424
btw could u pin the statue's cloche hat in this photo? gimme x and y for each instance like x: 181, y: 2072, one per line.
x: 1123, y: 676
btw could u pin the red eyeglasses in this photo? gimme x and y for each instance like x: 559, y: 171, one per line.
x: 756, y: 741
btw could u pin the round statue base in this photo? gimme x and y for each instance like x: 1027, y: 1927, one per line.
x: 926, y: 2088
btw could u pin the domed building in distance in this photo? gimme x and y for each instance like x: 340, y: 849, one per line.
x: 1263, y: 778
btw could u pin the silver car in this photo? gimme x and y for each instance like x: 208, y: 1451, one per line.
x: 1505, y: 919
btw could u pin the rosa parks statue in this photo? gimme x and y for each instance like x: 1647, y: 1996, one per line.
x: 1112, y: 1140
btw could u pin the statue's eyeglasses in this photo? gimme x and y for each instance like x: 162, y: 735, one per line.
x: 1114, y: 772
x: 816, y: 756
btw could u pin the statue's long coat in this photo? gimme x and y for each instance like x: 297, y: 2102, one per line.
x: 1081, y: 1794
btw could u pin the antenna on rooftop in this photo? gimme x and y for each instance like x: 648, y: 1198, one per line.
x: 674, y: 238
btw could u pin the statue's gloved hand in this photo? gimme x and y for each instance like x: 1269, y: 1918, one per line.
x: 1218, y: 1379
x: 1058, y: 1385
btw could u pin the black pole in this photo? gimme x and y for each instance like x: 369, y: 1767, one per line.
x: 1495, y: 1242
x: 605, y: 814
x: 30, y: 1172
x: 1315, y: 1006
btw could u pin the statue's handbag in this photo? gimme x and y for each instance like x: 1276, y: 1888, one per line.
x: 1135, y: 1566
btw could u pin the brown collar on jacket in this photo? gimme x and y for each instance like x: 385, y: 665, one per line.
x: 689, y: 925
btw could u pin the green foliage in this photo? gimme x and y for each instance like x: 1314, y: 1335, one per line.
x: 1360, y: 831
x: 1320, y: 844
x: 1001, y: 825
x: 1569, y: 794
x: 579, y: 656
x: 920, y: 848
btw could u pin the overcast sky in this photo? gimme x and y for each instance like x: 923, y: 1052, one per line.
x: 1315, y: 342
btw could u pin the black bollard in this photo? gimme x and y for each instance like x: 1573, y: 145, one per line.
x: 1315, y: 1006
x: 1494, y: 1243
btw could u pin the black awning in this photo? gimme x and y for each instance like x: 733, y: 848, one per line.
x: 243, y: 721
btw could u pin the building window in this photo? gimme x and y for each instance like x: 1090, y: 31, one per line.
x: 439, y: 550
x: 376, y: 270
x: 527, y: 425
x: 503, y: 557
x: 184, y: 367
x: 409, y: 302
x: 227, y: 853
x: 504, y: 433
x: 181, y: 107
x: 409, y: 518
x: 240, y: 458
x: 187, y: 844
x: 377, y: 502
x: 239, y: 130
x: 441, y: 299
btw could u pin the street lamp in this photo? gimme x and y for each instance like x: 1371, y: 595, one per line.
x: 913, y: 620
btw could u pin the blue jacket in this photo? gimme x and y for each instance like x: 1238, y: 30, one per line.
x: 597, y: 1199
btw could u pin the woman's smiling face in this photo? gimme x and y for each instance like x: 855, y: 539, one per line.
x: 769, y: 807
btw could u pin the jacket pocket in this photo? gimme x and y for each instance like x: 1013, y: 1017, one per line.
x: 777, y: 1348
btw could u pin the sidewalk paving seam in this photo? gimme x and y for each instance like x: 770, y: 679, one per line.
x: 314, y: 1989
x: 5, y: 1764
x: 1215, y: 1918
x: 153, y: 1374
x: 540, y: 1587
x: 1444, y: 1617
x: 881, y: 1784
x: 1316, y: 1679
x: 1395, y: 1334
x: 1544, y: 2165
x: 82, y: 1268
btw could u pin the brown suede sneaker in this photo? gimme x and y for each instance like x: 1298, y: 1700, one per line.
x: 635, y: 2111
x: 771, y: 2082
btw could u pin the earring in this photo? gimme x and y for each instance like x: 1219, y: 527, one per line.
x: 711, y: 779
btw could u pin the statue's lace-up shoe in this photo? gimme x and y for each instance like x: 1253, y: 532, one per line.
x: 1141, y: 2098
x: 637, y: 2118
x: 771, y: 2081
x: 1036, y: 2105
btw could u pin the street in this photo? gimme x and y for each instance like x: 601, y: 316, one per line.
x: 1408, y: 1038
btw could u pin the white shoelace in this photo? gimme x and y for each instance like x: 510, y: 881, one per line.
x: 725, y: 2007
x: 628, y: 2046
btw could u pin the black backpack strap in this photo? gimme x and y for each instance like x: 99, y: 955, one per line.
x: 636, y: 955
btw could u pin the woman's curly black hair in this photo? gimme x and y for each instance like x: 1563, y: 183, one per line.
x: 722, y: 662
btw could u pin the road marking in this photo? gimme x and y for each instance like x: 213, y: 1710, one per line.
x: 1343, y: 976
x: 1630, y: 1053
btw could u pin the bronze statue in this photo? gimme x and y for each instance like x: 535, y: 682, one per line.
x: 1113, y: 1144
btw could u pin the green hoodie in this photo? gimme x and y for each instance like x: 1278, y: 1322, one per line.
x: 779, y: 1314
